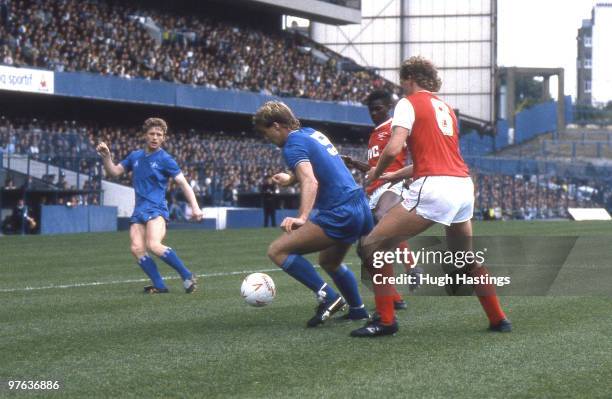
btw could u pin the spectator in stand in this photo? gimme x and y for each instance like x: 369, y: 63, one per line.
x: 9, y: 184
x: 28, y: 183
x: 221, y: 165
x: 175, y: 210
x: 62, y: 184
x: 107, y: 38
x: 269, y: 200
x: 20, y: 221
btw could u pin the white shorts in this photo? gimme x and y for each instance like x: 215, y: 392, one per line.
x: 442, y: 199
x: 397, y: 188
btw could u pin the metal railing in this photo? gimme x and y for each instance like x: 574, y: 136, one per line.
x: 48, y: 180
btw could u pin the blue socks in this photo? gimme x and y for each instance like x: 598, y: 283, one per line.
x: 172, y: 259
x: 347, y: 284
x: 150, y: 268
x: 304, y: 272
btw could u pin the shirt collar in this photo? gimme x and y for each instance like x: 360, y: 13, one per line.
x: 382, y: 124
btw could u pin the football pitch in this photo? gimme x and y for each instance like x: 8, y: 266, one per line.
x: 72, y: 310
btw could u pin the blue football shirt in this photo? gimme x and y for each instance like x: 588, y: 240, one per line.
x: 150, y: 174
x: 336, y: 184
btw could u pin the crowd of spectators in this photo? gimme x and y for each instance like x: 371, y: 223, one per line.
x: 219, y: 166
x: 216, y: 164
x: 536, y: 196
x: 114, y: 39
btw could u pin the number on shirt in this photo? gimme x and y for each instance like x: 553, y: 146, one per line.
x: 320, y: 137
x: 443, y: 117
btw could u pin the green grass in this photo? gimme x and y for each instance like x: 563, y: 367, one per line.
x: 111, y: 341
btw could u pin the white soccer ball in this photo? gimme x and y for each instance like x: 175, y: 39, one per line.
x: 258, y: 289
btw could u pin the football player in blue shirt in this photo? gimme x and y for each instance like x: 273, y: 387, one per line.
x: 151, y: 168
x: 333, y: 214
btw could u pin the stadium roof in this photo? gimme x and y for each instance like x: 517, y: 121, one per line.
x: 315, y: 10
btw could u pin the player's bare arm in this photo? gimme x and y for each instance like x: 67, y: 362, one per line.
x: 348, y: 161
x: 284, y: 179
x: 197, y: 213
x: 400, y: 174
x: 309, y: 186
x: 110, y: 167
x: 391, y: 151
x: 353, y: 163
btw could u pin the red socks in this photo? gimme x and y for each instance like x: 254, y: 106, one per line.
x: 488, y: 298
x: 385, y: 295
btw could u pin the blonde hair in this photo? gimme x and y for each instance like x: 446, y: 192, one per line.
x: 275, y: 111
x: 422, y: 71
x: 155, y: 122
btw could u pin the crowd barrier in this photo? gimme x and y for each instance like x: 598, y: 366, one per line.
x: 59, y: 219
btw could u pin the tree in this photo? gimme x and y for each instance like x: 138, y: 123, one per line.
x: 528, y: 92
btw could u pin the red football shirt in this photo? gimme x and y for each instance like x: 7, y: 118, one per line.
x: 379, y: 138
x: 434, y: 136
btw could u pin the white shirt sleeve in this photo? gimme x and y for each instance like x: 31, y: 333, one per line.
x: 403, y: 115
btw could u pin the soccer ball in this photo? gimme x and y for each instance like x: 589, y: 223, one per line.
x: 258, y: 289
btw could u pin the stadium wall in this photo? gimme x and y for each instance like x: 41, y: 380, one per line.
x: 58, y: 219
x: 539, y: 119
x: 91, y: 86
x: 252, y: 218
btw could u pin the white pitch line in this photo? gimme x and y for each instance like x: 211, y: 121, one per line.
x: 139, y: 280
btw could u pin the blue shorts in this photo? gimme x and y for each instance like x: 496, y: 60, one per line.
x: 347, y: 222
x: 143, y: 215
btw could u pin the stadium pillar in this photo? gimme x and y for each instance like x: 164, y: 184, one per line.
x: 403, y: 37
x: 510, y: 95
x: 546, y: 88
x: 512, y: 72
x: 560, y: 102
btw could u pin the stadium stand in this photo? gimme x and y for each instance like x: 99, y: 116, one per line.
x: 536, y: 196
x: 570, y: 144
x: 221, y: 165
x: 114, y: 39
x: 216, y: 163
